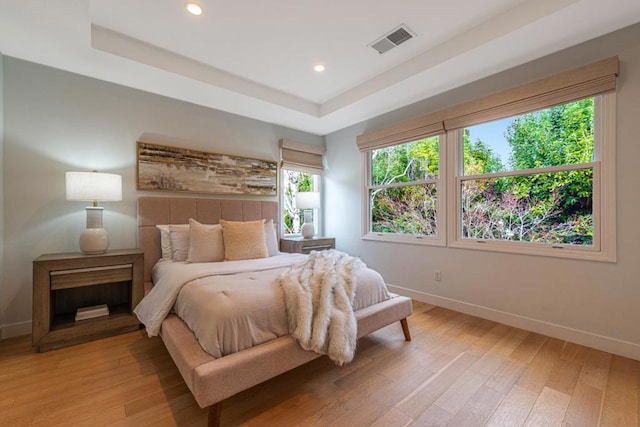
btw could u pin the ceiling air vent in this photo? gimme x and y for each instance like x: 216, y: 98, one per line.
x: 393, y: 39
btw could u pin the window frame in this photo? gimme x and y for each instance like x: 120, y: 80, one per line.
x: 449, y: 213
x: 440, y: 239
x: 604, y: 238
x: 317, y: 216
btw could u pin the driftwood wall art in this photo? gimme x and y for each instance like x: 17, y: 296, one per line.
x: 166, y: 168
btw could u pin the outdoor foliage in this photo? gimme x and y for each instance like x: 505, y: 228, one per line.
x: 409, y: 209
x: 294, y: 182
x: 551, y: 207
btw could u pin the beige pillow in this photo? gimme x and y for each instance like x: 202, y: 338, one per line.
x: 243, y: 240
x: 271, y: 238
x: 179, y: 242
x: 205, y: 242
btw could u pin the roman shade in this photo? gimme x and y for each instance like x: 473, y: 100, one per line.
x: 301, y: 157
x: 590, y: 80
x: 583, y: 82
x: 424, y: 127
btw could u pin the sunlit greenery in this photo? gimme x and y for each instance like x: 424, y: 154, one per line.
x: 551, y: 207
x: 292, y: 183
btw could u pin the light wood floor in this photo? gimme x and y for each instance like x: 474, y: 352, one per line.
x: 459, y: 370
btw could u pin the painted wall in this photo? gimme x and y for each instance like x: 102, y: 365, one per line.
x: 55, y: 121
x: 1, y: 188
x: 594, y: 303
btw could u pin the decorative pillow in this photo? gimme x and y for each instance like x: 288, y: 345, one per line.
x: 271, y: 238
x: 205, y: 242
x: 243, y: 240
x: 165, y: 239
x: 179, y: 242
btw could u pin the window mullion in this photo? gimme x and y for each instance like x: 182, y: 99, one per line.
x: 404, y: 184
x: 534, y: 171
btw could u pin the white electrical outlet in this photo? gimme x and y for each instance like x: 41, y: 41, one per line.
x: 437, y: 275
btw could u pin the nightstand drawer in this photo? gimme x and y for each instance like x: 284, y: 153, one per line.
x: 64, y: 279
x: 305, y: 246
x: 308, y: 249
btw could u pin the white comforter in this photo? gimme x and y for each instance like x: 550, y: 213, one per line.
x: 233, y: 305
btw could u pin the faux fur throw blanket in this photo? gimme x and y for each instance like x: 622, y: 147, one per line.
x: 319, y: 295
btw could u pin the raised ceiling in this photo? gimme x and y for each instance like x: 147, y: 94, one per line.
x: 256, y: 58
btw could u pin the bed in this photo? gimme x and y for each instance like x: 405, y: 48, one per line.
x: 210, y: 379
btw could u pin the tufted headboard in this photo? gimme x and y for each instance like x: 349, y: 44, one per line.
x: 178, y: 210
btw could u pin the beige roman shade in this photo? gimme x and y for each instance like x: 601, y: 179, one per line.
x: 590, y: 80
x: 301, y: 157
x: 413, y: 130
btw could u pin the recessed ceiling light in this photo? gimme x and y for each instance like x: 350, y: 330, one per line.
x: 193, y: 8
x: 319, y: 68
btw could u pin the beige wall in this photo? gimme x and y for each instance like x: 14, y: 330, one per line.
x: 56, y: 121
x: 594, y: 303
x: 1, y: 190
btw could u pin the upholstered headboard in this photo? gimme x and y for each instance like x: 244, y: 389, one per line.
x: 178, y: 210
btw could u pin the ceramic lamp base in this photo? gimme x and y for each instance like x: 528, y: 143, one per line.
x: 308, y: 229
x: 94, y: 239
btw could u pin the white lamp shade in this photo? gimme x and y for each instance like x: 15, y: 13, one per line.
x: 308, y: 200
x: 93, y: 186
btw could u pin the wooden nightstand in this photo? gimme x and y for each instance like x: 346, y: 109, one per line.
x: 304, y: 246
x: 62, y: 283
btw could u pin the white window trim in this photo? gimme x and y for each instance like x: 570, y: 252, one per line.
x: 604, y: 218
x: 440, y: 239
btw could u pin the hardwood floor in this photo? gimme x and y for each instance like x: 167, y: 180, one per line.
x: 459, y: 370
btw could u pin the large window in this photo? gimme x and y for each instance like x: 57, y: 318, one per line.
x: 530, y: 178
x: 527, y: 170
x: 403, y: 187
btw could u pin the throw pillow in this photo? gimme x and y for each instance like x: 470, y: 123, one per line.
x: 243, y: 240
x: 205, y: 242
x: 271, y: 238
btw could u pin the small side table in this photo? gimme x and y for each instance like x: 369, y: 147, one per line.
x: 62, y: 283
x: 304, y: 246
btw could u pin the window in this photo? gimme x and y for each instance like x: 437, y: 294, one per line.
x: 301, y: 167
x: 403, y: 191
x: 292, y: 183
x: 527, y: 170
x: 533, y: 178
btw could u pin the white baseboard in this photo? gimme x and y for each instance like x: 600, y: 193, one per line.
x: 588, y: 339
x: 15, y: 329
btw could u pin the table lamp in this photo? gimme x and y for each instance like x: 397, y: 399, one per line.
x: 308, y: 201
x: 94, y: 187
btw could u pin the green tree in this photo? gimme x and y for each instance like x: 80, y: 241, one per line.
x: 552, y: 207
x: 479, y: 158
x: 556, y: 136
x: 409, y: 209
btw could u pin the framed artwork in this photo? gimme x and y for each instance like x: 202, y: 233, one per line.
x: 166, y: 168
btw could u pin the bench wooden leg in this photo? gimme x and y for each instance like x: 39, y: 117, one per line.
x: 215, y: 411
x: 405, y: 329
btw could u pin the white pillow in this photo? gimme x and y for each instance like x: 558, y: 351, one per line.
x: 205, y: 242
x: 179, y: 242
x: 165, y: 239
x: 271, y: 238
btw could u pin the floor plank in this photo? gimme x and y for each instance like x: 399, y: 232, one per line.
x: 459, y: 370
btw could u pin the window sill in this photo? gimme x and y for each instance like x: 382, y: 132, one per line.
x: 405, y: 238
x: 535, y: 249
